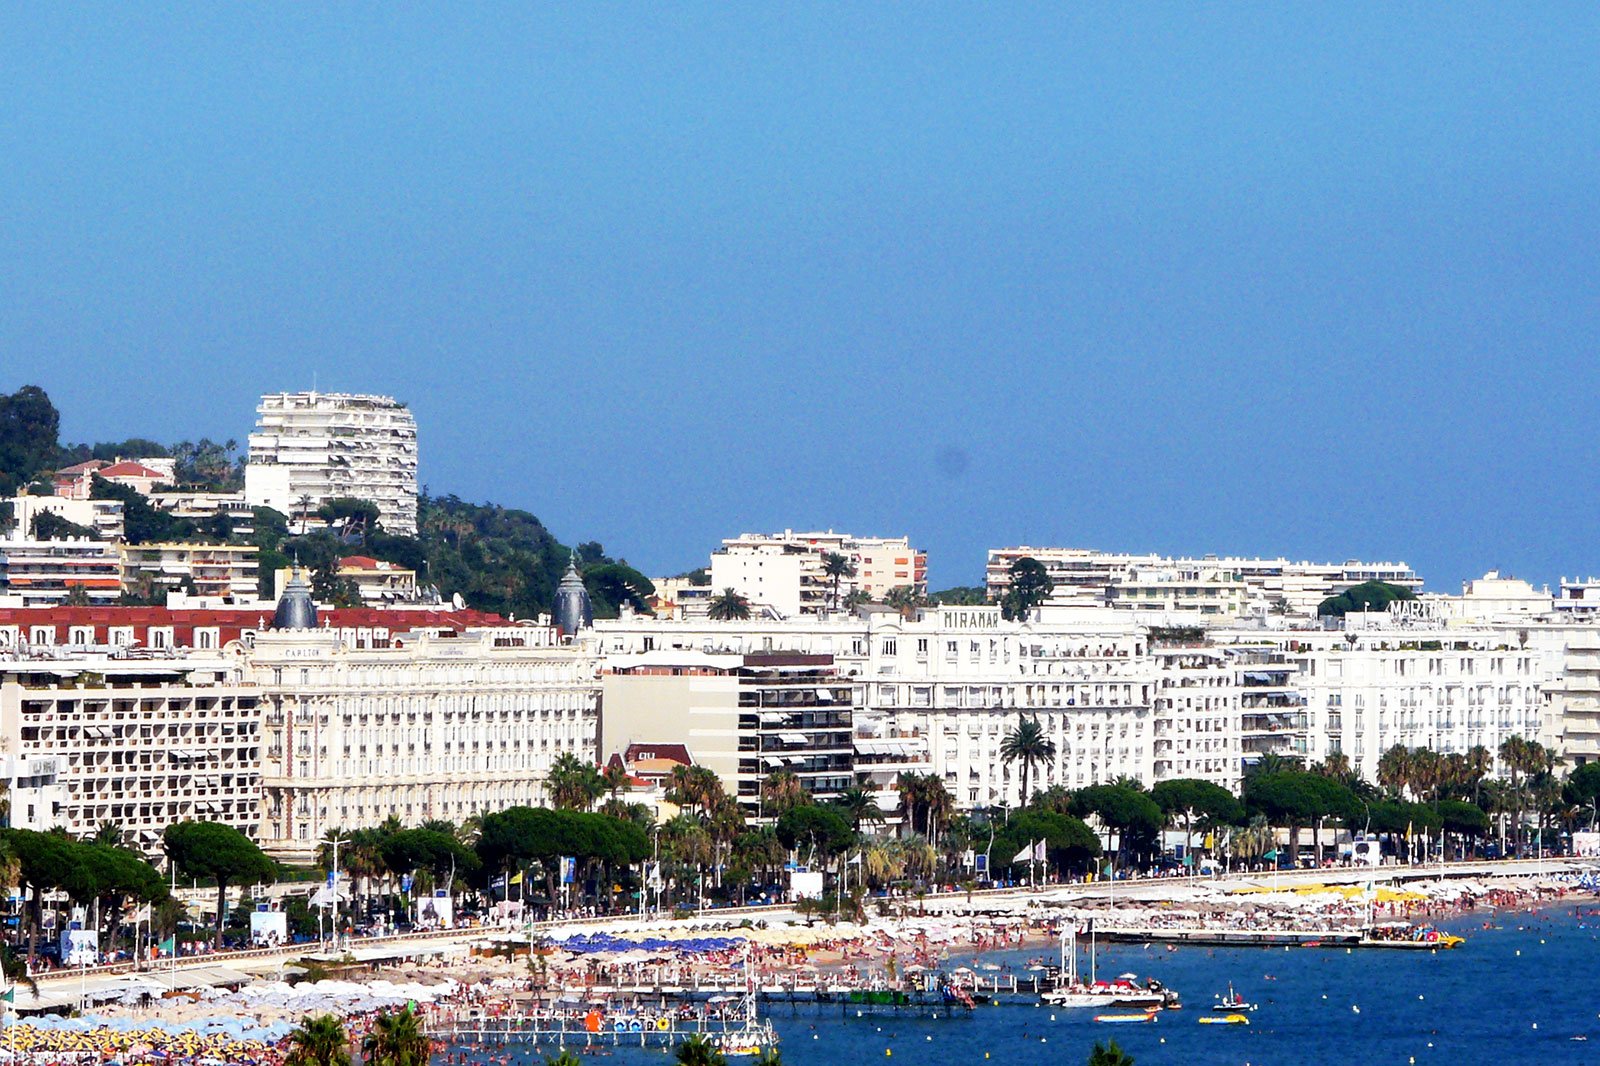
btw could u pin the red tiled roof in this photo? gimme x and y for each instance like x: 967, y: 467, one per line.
x: 81, y: 468
x: 359, y: 562
x: 673, y: 752
x: 229, y: 622
x: 128, y: 468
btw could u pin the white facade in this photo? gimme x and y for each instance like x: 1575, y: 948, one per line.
x: 1572, y: 711
x: 102, y: 516
x: 946, y: 686
x: 1198, y: 591
x: 420, y: 726
x: 786, y: 579
x: 1450, y: 689
x: 35, y: 791
x: 140, y: 742
x: 785, y: 570
x: 1279, y: 586
x: 1198, y: 710
x: 334, y: 445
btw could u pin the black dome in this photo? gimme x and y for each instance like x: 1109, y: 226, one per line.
x: 574, y: 610
x: 296, y: 609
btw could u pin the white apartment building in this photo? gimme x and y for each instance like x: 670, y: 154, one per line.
x: 1280, y: 586
x: 1198, y: 710
x: 941, y: 690
x: 141, y: 742
x: 1573, y: 702
x: 203, y: 507
x: 42, y: 573
x: 325, y: 446
x: 784, y: 570
x: 35, y: 791
x: 102, y: 516
x: 416, y: 726
x: 1201, y: 591
x: 222, y: 572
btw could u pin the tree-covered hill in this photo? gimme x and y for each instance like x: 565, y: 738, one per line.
x: 496, y: 558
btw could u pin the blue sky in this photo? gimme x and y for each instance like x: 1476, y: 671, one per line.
x: 1317, y: 280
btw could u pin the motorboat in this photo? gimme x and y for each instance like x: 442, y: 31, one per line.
x: 1232, y: 1003
x: 1071, y: 991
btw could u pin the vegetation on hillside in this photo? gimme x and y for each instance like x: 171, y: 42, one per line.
x: 495, y: 558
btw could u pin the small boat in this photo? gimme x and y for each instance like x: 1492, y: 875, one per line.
x: 1224, y: 1019
x: 1145, y: 1016
x: 1232, y: 1003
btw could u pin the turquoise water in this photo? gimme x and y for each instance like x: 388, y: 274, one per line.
x: 1475, y: 1006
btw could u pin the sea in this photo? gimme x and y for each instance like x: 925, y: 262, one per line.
x: 1524, y: 990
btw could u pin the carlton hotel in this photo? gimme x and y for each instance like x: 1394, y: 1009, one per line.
x: 286, y: 728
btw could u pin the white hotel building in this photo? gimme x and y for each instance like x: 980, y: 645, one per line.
x: 417, y: 726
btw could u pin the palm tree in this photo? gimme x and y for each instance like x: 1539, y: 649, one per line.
x: 859, y: 806
x: 728, y: 606
x: 837, y: 566
x: 305, y: 512
x: 781, y: 792
x: 1521, y: 757
x: 566, y: 1058
x: 882, y: 860
x: 768, y: 1057
x: 940, y: 804
x: 1480, y: 760
x: 320, y: 1041
x: 1394, y: 769
x: 615, y: 778
x: 396, y: 1039
x: 1336, y: 766
x: 698, y: 1051
x: 1251, y: 841
x: 1110, y: 1055
x: 573, y: 784
x: 912, y: 788
x: 1027, y: 744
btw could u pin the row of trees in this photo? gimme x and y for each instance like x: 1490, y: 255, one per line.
x: 110, y: 880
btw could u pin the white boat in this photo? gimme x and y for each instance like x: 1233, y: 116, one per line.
x: 1232, y: 1003
x: 1072, y: 992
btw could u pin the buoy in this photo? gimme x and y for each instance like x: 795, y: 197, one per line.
x: 1519, y: 953
x: 1536, y: 1025
x: 1052, y: 1017
x: 887, y: 1052
x: 1419, y: 997
x: 1355, y: 1009
x: 930, y: 1039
